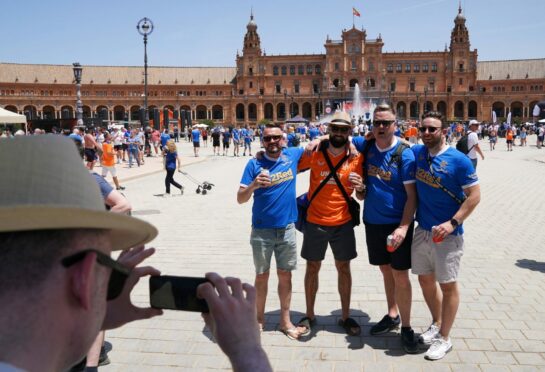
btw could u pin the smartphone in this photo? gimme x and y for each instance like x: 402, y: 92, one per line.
x: 176, y: 293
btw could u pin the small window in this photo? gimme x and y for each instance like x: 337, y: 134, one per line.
x: 296, y: 88
x: 354, y: 64
x: 398, y: 67
x: 434, y: 67
x: 315, y: 87
x: 284, y: 70
x: 392, y: 86
x: 390, y: 67
x: 425, y: 67
x: 318, y: 69
x: 251, y: 70
x: 278, y: 87
x: 416, y: 67
x: 411, y: 86
x: 407, y: 67
x: 336, y: 66
x: 460, y: 81
x: 300, y: 70
x: 275, y: 70
x: 251, y: 85
x: 261, y: 91
x: 371, y: 66
x: 309, y: 70
x: 292, y: 70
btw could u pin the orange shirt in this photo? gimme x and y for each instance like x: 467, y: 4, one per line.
x: 411, y: 132
x: 329, y: 207
x: 107, y: 159
x: 509, y: 135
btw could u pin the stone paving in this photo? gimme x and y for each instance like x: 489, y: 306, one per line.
x: 499, y: 326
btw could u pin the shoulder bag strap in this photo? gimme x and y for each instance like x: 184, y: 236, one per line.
x: 333, y: 171
x: 436, y: 181
x: 325, y: 180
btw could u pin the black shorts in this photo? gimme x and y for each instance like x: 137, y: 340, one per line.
x: 124, y: 146
x: 341, y: 238
x: 226, y: 145
x: 118, y: 147
x: 196, y: 144
x: 216, y: 143
x: 90, y: 154
x: 376, y: 235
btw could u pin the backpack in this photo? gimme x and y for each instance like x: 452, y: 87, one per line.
x: 461, y: 145
x: 296, y: 140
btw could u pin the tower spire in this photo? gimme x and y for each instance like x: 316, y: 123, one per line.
x: 459, y: 6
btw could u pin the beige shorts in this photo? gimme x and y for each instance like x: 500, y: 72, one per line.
x: 442, y: 259
x: 105, y: 171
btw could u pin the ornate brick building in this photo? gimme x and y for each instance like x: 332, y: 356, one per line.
x: 276, y: 87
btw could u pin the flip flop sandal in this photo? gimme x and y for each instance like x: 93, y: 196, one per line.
x: 349, y: 325
x: 306, y: 323
x: 291, y: 333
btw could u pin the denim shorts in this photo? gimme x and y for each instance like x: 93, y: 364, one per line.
x: 281, y: 241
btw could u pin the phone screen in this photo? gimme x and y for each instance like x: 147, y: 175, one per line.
x: 176, y: 293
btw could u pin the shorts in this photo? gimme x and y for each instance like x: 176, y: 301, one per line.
x: 216, y: 143
x: 124, y: 146
x: 196, y: 144
x: 540, y: 138
x: 226, y: 145
x: 235, y: 142
x: 281, y: 241
x: 118, y: 147
x: 341, y: 238
x: 493, y: 139
x: 106, y: 169
x: 376, y: 236
x: 90, y: 154
x: 442, y: 259
x: 509, y: 142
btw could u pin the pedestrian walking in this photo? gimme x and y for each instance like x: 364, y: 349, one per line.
x: 172, y: 161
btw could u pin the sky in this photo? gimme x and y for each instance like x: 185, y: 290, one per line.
x: 209, y: 32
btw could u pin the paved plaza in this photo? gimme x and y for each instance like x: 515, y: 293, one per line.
x: 500, y: 324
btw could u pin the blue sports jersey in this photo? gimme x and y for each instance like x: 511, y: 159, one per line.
x: 313, y: 133
x: 164, y: 138
x: 195, y: 135
x: 170, y: 161
x: 226, y: 136
x: 274, y: 206
x: 386, y: 195
x: 236, y: 135
x: 454, y: 171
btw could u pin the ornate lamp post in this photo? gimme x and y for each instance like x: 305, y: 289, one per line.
x: 79, y: 107
x: 425, y: 100
x: 145, y: 27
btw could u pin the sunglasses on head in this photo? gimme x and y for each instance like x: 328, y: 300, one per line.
x: 429, y: 129
x: 271, y: 138
x: 337, y: 129
x: 383, y: 123
x: 118, y: 275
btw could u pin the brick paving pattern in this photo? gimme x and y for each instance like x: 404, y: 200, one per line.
x: 499, y: 326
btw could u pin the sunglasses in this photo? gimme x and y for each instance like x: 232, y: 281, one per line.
x: 118, y: 275
x: 271, y: 138
x: 429, y: 129
x: 336, y: 129
x: 383, y: 123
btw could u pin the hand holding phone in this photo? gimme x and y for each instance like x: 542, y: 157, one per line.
x: 176, y: 293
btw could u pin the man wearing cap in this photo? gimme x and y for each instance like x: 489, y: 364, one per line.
x: 448, y: 191
x: 473, y: 143
x: 58, y: 284
x: 329, y: 220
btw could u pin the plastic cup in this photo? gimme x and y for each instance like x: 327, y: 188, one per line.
x: 436, y: 239
x: 389, y: 244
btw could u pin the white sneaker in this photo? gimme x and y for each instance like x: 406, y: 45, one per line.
x: 438, y: 349
x: 165, y: 195
x: 431, y: 333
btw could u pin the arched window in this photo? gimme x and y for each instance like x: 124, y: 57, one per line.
x: 353, y: 82
x: 401, y: 109
x: 217, y: 112
x: 318, y: 69
x: 275, y: 70
x: 252, y: 111
x: 284, y: 70
x: 442, y: 107
x: 201, y: 112
x: 300, y: 70
x: 472, y: 109
x: 268, y: 111
x: 309, y: 69
x: 459, y: 109
x: 336, y: 83
x: 281, y: 111
x: 292, y: 69
x: 307, y: 110
x: 240, y: 112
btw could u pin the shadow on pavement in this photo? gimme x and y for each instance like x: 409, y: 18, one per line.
x: 531, y: 265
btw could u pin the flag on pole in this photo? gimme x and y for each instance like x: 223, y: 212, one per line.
x: 355, y: 12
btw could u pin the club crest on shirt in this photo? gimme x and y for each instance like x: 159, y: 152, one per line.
x: 442, y: 168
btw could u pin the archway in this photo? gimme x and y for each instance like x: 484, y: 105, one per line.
x: 401, y: 109
x: 86, y: 112
x: 240, y: 112
x: 67, y: 112
x: 499, y: 108
x: 307, y: 110
x: 30, y: 112
x: 135, y: 113
x: 48, y: 112
x: 472, y: 110
x: 268, y: 111
x: 353, y: 82
x: 217, y: 112
x: 252, y: 111
x: 201, y: 112
x: 459, y: 110
x: 516, y: 110
x: 12, y: 109
x: 428, y: 106
x: 413, y: 110
x: 119, y: 113
x: 442, y: 108
x: 281, y: 111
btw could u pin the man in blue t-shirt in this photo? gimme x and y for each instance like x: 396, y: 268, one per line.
x: 448, y: 191
x: 313, y: 132
x: 196, y: 136
x: 248, y: 136
x: 271, y: 180
x: 226, y: 139
x: 236, y: 141
x: 164, y: 138
x: 389, y: 208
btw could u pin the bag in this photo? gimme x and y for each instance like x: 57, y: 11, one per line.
x: 461, y: 145
x: 296, y: 140
x: 355, y: 210
x: 302, y: 206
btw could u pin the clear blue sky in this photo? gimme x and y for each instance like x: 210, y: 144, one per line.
x: 208, y: 33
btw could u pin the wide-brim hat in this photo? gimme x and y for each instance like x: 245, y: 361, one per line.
x: 45, y: 186
x: 474, y: 122
x: 341, y: 118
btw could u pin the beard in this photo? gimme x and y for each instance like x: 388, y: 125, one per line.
x: 273, y: 149
x: 338, y: 141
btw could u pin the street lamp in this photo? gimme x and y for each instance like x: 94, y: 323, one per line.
x: 425, y: 99
x: 145, y: 27
x: 417, y: 106
x: 319, y: 104
x: 79, y: 107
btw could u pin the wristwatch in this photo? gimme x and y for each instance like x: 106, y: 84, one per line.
x: 454, y: 223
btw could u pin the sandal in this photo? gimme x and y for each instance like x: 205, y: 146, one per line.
x: 351, y: 327
x: 306, y: 323
x: 291, y: 333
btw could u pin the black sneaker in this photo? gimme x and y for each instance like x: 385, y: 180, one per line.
x: 385, y: 325
x: 410, y: 345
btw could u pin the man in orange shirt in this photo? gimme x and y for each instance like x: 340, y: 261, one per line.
x: 411, y: 134
x: 329, y: 219
x: 108, y: 160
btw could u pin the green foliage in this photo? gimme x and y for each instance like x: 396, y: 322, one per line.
x: 263, y: 122
x: 208, y: 122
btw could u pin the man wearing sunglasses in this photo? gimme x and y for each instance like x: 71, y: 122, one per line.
x: 58, y: 284
x: 271, y: 180
x: 448, y: 191
x: 389, y: 208
x: 329, y: 221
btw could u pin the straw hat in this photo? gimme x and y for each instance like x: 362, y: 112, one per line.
x: 45, y: 186
x: 341, y: 118
x: 474, y: 122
